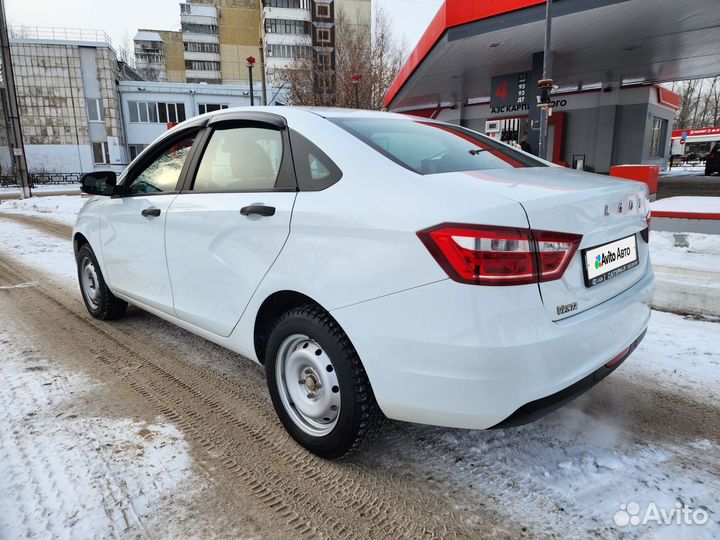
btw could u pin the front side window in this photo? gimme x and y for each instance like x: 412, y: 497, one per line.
x: 163, y: 173
x: 430, y: 147
x: 240, y: 159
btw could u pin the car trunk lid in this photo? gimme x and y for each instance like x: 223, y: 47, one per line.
x: 599, y: 208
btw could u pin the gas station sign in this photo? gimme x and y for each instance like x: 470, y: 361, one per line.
x: 510, y: 91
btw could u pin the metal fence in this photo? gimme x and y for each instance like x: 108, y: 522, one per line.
x: 42, y: 179
x: 56, y: 33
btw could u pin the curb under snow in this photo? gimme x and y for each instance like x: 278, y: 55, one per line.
x: 687, y: 292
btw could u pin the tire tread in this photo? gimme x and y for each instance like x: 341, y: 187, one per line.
x: 371, y: 417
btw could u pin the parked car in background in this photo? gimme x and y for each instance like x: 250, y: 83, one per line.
x: 712, y: 162
x: 375, y: 264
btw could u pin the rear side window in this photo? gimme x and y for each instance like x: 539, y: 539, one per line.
x: 240, y: 159
x: 431, y: 147
x: 314, y: 169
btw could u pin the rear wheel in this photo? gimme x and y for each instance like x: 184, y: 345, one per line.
x: 99, y: 301
x: 318, y: 385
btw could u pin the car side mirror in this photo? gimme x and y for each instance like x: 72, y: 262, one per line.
x: 99, y: 183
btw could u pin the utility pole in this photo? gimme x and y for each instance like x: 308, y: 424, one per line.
x: 545, y: 84
x: 12, y: 115
x: 356, y: 78
x: 262, y: 74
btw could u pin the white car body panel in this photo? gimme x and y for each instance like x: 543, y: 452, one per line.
x: 133, y: 248
x: 207, y: 240
x: 436, y: 351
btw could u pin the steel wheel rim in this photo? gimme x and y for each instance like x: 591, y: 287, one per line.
x: 308, y: 385
x: 90, y: 283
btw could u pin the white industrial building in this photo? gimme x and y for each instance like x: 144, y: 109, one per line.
x: 150, y: 108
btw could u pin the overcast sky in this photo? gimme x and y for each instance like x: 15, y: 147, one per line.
x: 121, y: 19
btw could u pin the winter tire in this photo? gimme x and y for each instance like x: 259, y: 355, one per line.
x: 318, y: 385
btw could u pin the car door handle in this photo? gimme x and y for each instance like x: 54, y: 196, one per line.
x: 151, y: 212
x: 258, y: 209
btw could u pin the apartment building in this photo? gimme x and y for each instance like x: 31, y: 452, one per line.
x: 306, y: 29
x: 215, y: 38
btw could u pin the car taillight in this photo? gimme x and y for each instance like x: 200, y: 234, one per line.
x: 485, y: 255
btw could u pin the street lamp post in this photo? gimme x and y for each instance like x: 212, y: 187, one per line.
x: 250, y: 66
x: 545, y: 85
x: 356, y: 78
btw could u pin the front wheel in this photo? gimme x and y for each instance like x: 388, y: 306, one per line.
x: 99, y: 301
x: 318, y: 385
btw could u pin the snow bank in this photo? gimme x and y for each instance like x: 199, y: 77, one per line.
x: 701, y: 205
x: 685, y: 250
x: 47, y: 188
x: 63, y: 208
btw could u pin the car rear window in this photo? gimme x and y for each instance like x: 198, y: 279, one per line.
x: 433, y: 147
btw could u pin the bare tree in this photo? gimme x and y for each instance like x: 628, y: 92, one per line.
x: 699, y: 103
x: 365, y: 48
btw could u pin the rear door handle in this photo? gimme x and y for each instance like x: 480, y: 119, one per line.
x: 151, y: 212
x: 258, y: 209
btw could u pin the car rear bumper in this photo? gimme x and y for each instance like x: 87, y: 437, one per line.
x: 473, y: 357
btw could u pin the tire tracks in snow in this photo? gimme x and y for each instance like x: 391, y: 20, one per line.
x: 46, y: 225
x: 234, y: 429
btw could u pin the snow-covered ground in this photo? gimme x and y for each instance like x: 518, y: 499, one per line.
x: 603, y: 451
x: 685, y: 250
x: 685, y: 170
x: 63, y: 208
x: 69, y: 472
x: 41, y: 188
x: 700, y: 205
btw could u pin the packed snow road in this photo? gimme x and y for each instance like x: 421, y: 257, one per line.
x: 137, y: 428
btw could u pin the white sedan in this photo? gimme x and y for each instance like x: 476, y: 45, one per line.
x: 377, y: 265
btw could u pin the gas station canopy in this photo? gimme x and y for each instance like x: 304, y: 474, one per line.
x: 593, y: 41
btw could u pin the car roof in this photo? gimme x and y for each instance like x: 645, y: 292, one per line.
x: 324, y: 112
x: 289, y: 113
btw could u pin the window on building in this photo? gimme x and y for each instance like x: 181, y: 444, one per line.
x: 202, y: 65
x: 101, y: 153
x: 289, y: 51
x: 323, y: 35
x: 197, y: 80
x: 195, y: 28
x: 240, y: 159
x: 658, y: 136
x: 185, y: 9
x: 195, y: 46
x: 95, y: 110
x: 322, y: 11
x: 211, y: 107
x: 145, y: 112
x: 291, y: 4
x: 323, y: 60
x: 287, y: 26
x: 135, y: 150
